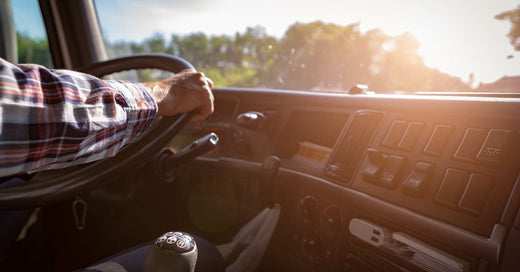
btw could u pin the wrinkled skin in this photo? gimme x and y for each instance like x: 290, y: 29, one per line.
x: 186, y: 91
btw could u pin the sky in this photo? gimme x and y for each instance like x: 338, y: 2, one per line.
x: 457, y: 37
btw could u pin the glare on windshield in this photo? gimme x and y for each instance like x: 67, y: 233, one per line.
x: 329, y: 45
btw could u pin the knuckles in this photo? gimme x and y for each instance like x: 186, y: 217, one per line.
x: 197, y: 78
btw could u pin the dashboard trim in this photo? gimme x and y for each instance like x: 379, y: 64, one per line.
x: 476, y: 245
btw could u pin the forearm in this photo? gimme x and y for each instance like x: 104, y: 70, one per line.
x: 53, y: 119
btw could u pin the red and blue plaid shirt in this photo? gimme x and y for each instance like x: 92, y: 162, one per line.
x: 55, y: 118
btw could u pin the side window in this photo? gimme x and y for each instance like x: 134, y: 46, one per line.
x: 33, y: 46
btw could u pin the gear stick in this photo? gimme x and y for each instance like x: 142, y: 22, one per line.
x: 172, y: 252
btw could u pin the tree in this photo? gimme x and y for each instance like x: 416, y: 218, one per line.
x: 193, y: 47
x: 514, y: 33
x: 310, y: 56
x: 156, y: 43
x: 320, y: 56
x: 400, y: 67
x: 33, y: 50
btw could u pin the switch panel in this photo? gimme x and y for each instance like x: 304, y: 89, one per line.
x: 477, y: 193
x: 452, y: 187
x: 440, y: 137
x: 459, y: 168
x: 416, y: 183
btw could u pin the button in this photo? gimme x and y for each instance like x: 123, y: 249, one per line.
x: 411, y: 136
x: 477, y: 193
x: 471, y: 144
x: 183, y: 244
x: 452, y: 187
x: 440, y: 137
x: 377, y: 161
x: 416, y: 183
x: 493, y: 149
x: 158, y: 243
x: 171, y: 240
x: 393, y: 137
x: 392, y: 171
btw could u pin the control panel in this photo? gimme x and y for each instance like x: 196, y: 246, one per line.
x: 455, y: 171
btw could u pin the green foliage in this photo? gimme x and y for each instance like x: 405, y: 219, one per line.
x: 31, y: 50
x: 319, y: 56
x: 310, y: 56
x: 322, y: 56
x: 243, y: 77
x: 514, y: 33
x: 242, y: 60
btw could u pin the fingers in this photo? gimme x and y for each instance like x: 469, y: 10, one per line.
x: 184, y: 92
x: 209, y: 82
x: 193, y: 80
x: 187, y: 70
x: 206, y: 101
x: 201, y: 85
x: 198, y: 80
x: 206, y: 106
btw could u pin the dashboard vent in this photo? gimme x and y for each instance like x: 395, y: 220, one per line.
x: 353, y: 143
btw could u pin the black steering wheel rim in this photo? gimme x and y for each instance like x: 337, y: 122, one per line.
x: 51, y: 186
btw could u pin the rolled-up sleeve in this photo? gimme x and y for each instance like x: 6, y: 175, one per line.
x: 56, y: 118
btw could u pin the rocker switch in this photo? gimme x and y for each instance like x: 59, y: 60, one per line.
x: 416, y: 183
x: 477, y: 193
x: 377, y: 161
x: 439, y: 139
x: 392, y: 171
x: 471, y: 144
x: 395, y: 134
x: 493, y: 148
x: 411, y: 136
x: 452, y: 187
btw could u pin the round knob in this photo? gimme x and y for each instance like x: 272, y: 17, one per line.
x: 178, y: 242
x: 172, y: 252
x: 332, y: 220
x: 310, y: 208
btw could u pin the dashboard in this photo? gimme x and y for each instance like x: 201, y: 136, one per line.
x: 379, y: 182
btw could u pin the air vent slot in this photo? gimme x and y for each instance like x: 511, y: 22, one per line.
x: 353, y: 143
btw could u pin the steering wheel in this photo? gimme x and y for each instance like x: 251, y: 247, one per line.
x: 54, y: 185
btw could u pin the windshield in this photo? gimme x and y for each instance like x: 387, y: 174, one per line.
x: 32, y: 44
x: 328, y: 45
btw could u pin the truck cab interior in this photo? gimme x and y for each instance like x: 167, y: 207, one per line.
x: 365, y: 181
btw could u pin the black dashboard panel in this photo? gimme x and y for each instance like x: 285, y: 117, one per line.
x: 443, y: 169
x: 458, y: 183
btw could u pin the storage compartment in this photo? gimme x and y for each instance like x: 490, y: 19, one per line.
x: 325, y: 130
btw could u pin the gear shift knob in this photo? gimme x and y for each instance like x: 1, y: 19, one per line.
x: 172, y: 252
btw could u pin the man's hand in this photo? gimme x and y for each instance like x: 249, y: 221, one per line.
x: 184, y: 92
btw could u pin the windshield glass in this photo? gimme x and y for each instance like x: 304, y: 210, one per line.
x: 328, y: 45
x: 31, y: 38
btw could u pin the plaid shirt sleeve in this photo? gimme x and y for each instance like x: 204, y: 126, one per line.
x: 55, y: 118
